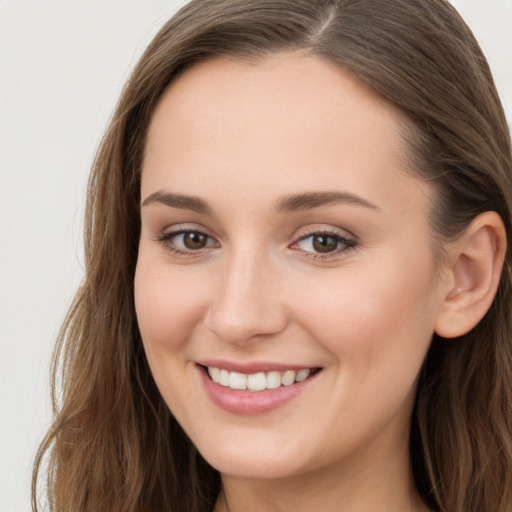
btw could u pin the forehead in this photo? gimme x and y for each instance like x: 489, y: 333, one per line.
x: 290, y: 89
x: 293, y: 121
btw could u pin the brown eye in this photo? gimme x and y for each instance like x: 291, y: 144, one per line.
x: 187, y: 242
x: 324, y: 243
x: 194, y: 240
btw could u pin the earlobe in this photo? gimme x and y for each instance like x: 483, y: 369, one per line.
x: 473, y: 275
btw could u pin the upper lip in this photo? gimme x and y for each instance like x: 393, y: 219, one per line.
x: 254, y: 366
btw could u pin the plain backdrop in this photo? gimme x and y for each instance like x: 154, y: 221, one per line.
x: 62, y: 65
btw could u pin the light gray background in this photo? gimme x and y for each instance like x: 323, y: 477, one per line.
x: 62, y: 64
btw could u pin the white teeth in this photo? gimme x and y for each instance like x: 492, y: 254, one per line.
x: 257, y: 381
x: 224, y: 378
x: 214, y: 374
x: 273, y: 380
x: 288, y: 378
x: 237, y: 380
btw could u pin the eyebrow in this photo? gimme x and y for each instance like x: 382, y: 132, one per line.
x: 178, y: 201
x: 285, y: 204
x: 309, y: 200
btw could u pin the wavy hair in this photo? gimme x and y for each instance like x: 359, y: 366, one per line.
x: 114, y: 445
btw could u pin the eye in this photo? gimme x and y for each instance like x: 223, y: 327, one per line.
x: 324, y: 243
x: 187, y: 241
x: 192, y: 240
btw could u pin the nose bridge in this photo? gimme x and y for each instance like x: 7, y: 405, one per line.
x: 247, y: 302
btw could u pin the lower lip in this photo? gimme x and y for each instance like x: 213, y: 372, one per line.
x: 252, y: 403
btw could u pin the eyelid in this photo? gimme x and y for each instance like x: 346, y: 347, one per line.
x: 344, y: 237
x: 346, y: 240
x: 175, y: 229
x: 165, y: 238
x: 316, y: 229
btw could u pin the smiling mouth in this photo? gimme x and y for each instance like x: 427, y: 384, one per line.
x: 258, y: 381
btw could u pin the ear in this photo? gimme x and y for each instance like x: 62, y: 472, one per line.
x: 472, y: 275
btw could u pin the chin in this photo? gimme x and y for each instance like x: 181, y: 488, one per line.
x: 261, y: 468
x: 254, y: 461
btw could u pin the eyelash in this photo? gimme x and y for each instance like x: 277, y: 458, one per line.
x: 166, y: 240
x: 343, y: 244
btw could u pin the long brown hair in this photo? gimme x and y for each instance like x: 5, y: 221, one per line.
x: 114, y: 445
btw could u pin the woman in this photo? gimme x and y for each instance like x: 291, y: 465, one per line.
x: 297, y: 290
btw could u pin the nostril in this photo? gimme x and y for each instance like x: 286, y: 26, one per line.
x: 244, y: 326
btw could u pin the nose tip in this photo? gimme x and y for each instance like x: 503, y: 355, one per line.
x: 247, y: 306
x: 240, y: 325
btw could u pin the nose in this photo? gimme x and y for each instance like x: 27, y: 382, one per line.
x: 247, y: 304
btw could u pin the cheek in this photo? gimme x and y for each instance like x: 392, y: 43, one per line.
x: 375, y: 318
x: 377, y: 330
x: 169, y: 307
x: 168, y: 304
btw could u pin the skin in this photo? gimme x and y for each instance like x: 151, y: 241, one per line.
x: 241, y: 137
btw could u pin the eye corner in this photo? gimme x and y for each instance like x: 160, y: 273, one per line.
x: 322, y: 243
x: 187, y: 241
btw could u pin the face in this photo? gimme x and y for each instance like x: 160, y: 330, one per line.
x: 285, y: 249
